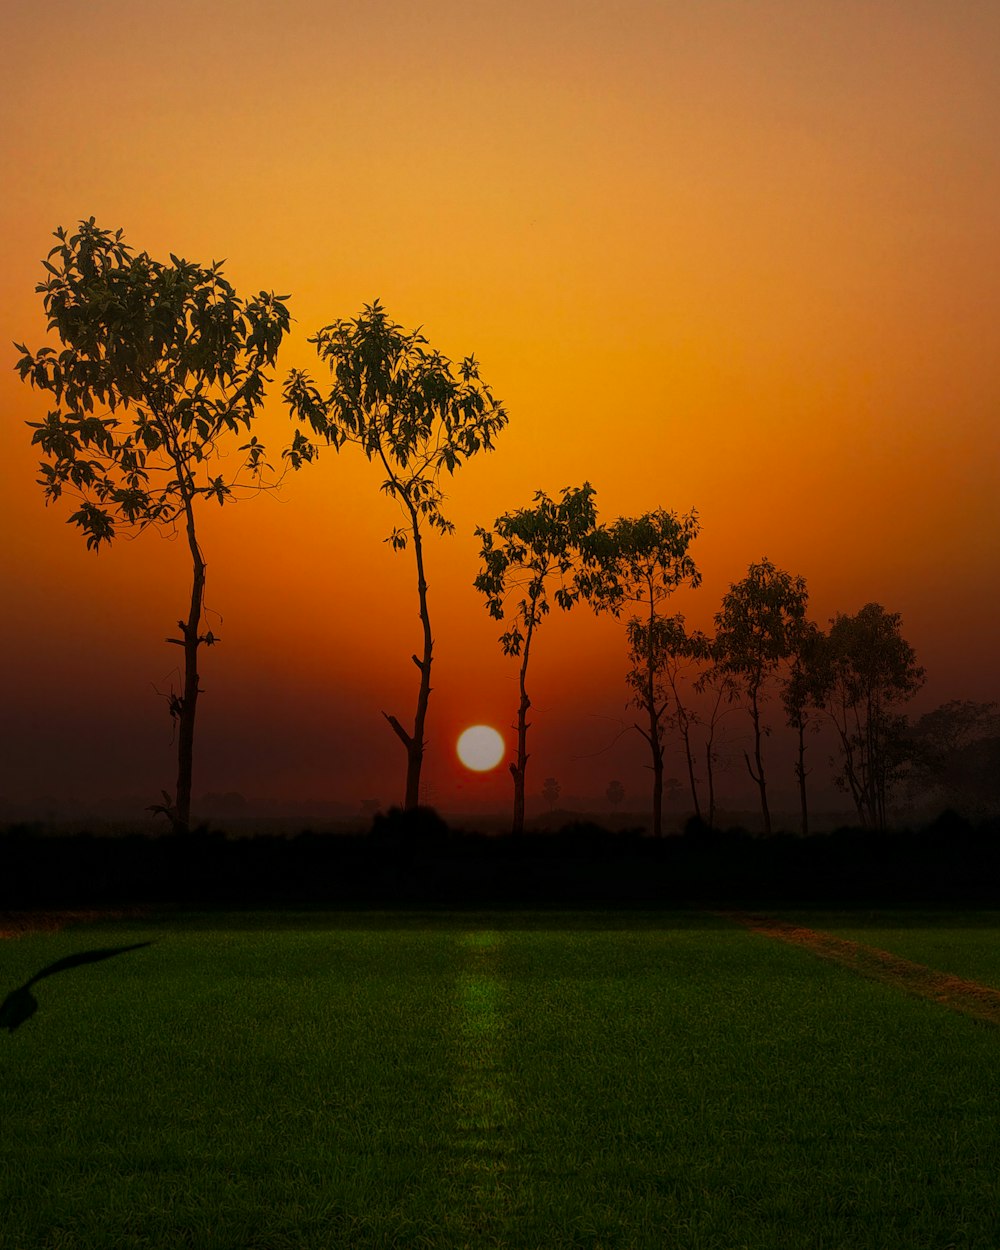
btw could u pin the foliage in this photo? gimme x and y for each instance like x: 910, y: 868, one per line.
x: 641, y: 561
x: 408, y: 409
x: 954, y: 756
x: 615, y: 793
x: 175, y: 357
x: 159, y: 365
x: 529, y: 548
x: 868, y: 670
x: 402, y: 404
x: 756, y: 627
x: 526, y: 552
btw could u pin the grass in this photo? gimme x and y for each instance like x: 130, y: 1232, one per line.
x: 515, y: 1080
x: 964, y: 944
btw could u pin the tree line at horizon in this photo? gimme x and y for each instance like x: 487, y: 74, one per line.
x: 161, y: 362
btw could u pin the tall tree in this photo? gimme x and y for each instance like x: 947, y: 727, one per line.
x: 160, y: 364
x: 802, y: 696
x: 955, y: 756
x: 526, y: 553
x: 642, y: 561
x: 869, y: 670
x: 722, y: 694
x: 754, y: 631
x: 410, y: 410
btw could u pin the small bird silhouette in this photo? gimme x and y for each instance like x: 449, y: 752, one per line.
x: 21, y: 1004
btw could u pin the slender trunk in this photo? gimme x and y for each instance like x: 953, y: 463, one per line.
x: 517, y: 770
x: 759, y: 759
x: 414, y: 743
x: 187, y: 705
x: 415, y: 748
x: 711, y: 784
x: 686, y: 733
x: 655, y: 743
x: 657, y: 789
x: 800, y: 772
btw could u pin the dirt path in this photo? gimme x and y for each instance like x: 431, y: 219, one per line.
x: 17, y: 923
x: 968, y: 997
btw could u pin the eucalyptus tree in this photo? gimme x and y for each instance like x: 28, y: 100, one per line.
x: 803, y: 697
x: 418, y: 417
x: 160, y: 364
x: 869, y: 669
x: 642, y: 561
x: 718, y: 685
x: 754, y: 631
x: 533, y: 552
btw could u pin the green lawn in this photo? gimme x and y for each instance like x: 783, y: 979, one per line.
x: 964, y: 944
x: 309, y: 1081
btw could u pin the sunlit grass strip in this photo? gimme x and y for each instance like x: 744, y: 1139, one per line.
x: 480, y: 1141
x: 968, y: 997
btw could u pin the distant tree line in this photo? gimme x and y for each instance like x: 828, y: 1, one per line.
x: 161, y: 365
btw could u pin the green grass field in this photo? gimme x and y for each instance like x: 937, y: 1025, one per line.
x: 503, y: 1080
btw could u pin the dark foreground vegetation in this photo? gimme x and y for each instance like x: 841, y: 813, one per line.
x: 415, y: 859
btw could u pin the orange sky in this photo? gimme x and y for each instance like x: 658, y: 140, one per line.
x: 735, y: 257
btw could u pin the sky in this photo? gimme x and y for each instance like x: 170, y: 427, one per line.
x: 728, y: 256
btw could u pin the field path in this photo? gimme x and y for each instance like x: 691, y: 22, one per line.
x: 17, y: 923
x: 968, y: 997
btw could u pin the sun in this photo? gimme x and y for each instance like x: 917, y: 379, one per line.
x: 480, y: 748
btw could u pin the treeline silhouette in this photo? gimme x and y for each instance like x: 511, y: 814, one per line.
x: 413, y: 858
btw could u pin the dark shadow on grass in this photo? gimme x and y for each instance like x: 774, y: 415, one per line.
x: 21, y: 1004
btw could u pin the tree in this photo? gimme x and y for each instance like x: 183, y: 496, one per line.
x: 868, y: 670
x: 550, y: 791
x: 526, y: 552
x: 404, y: 406
x: 160, y: 364
x: 955, y: 756
x: 722, y: 693
x: 754, y: 631
x: 615, y: 793
x: 802, y: 696
x: 642, y: 560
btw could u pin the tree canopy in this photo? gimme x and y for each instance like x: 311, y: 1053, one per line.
x: 159, y: 363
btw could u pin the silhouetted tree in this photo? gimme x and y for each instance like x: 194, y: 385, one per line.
x: 722, y: 693
x: 868, y: 670
x: 159, y: 364
x: 550, y: 791
x: 642, y: 561
x: 615, y: 793
x: 526, y: 552
x: 802, y: 695
x: 404, y: 406
x: 955, y: 756
x: 754, y: 630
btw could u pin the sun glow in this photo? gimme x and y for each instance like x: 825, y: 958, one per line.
x: 480, y: 748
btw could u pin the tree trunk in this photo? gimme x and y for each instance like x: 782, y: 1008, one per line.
x: 800, y: 772
x: 517, y: 770
x: 758, y: 777
x: 186, y: 706
x: 414, y: 743
x: 711, y: 784
x: 686, y: 733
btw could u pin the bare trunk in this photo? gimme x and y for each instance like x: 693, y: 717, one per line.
x: 414, y: 743
x: 186, y: 707
x: 517, y: 770
x: 711, y: 784
x: 657, y: 790
x: 758, y: 776
x: 800, y: 772
x: 690, y: 764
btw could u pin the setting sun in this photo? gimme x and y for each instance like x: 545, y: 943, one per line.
x: 480, y: 748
